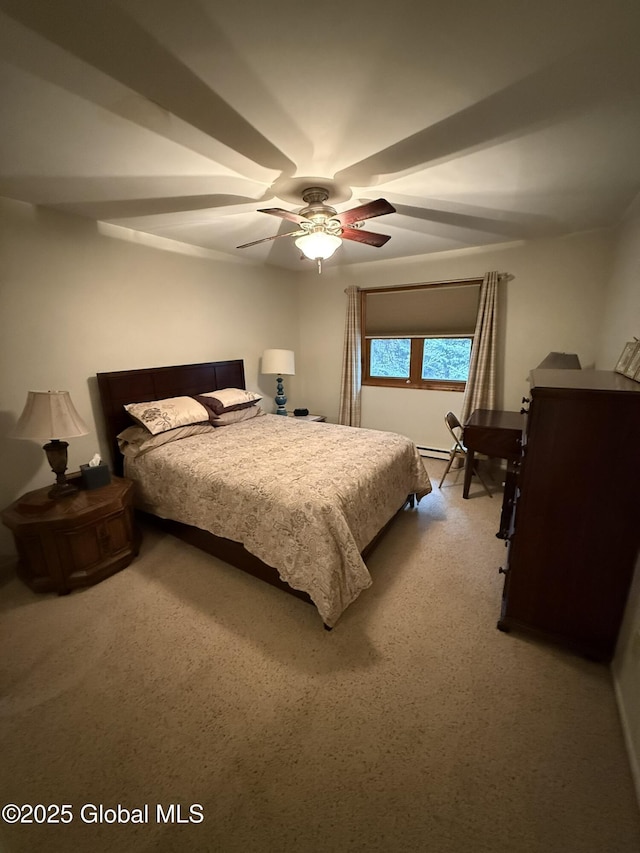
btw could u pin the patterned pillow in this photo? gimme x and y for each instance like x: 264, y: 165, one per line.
x: 161, y: 415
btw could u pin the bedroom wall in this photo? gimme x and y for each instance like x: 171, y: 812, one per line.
x: 554, y: 303
x: 621, y: 323
x: 77, y: 299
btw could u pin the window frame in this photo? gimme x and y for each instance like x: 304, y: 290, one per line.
x: 415, y: 379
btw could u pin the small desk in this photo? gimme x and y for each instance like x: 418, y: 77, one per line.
x: 496, y: 434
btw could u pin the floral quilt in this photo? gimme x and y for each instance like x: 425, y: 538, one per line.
x: 304, y: 497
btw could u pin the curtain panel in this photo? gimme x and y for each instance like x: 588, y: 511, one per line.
x: 480, y: 392
x: 351, y: 384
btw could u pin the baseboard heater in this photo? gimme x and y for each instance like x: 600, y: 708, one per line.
x: 433, y: 452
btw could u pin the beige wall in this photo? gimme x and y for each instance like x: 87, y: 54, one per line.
x: 554, y: 302
x: 75, y: 301
x: 621, y: 324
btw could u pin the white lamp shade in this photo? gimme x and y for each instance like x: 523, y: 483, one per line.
x: 318, y: 245
x: 278, y: 361
x: 49, y: 414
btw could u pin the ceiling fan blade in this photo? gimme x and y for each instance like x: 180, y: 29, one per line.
x: 368, y: 237
x: 267, y: 239
x: 283, y: 214
x: 365, y: 211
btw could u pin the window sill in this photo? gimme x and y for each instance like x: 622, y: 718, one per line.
x: 425, y: 385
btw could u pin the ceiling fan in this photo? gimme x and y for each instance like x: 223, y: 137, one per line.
x: 321, y: 229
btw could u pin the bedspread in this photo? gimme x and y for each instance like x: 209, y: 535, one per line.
x: 304, y: 497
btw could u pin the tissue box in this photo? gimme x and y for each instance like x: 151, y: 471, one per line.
x: 95, y: 476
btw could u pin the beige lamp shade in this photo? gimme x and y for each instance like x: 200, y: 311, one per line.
x: 49, y: 414
x: 279, y: 361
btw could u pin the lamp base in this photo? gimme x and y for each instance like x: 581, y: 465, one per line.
x: 62, y: 490
x: 280, y: 398
x: 56, y: 451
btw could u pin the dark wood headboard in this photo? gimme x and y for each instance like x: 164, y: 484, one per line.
x: 157, y: 383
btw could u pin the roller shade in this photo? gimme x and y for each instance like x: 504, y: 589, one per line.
x: 422, y: 311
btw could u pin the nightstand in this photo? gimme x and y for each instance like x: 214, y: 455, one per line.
x: 319, y: 418
x: 75, y: 541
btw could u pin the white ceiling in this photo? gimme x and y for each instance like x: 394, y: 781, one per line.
x: 481, y: 123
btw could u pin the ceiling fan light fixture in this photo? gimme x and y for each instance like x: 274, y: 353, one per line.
x: 318, y: 245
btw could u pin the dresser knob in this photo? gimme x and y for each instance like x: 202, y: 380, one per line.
x: 502, y: 571
x: 526, y: 399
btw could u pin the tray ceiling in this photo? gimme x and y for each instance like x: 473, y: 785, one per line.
x: 481, y: 123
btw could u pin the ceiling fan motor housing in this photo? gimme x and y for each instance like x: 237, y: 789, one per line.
x: 316, y: 209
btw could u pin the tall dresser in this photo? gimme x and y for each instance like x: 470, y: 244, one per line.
x: 575, y: 532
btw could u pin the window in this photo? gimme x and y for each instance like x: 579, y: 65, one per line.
x: 419, y: 336
x: 446, y: 359
x: 390, y: 357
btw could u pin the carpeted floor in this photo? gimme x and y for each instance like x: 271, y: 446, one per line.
x: 414, y: 726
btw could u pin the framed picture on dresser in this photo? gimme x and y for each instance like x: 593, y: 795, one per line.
x: 633, y: 370
x: 628, y: 357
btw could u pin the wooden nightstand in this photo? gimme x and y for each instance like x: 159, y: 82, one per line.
x: 75, y: 541
x: 320, y: 418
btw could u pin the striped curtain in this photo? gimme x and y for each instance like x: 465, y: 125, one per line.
x: 480, y: 392
x: 351, y: 362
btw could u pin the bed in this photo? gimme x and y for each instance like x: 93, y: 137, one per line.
x: 298, y: 504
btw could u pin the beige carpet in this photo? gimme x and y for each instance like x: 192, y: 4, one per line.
x: 414, y: 726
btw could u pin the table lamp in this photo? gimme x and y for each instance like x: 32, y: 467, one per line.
x: 49, y: 413
x: 280, y: 362
x: 560, y: 361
